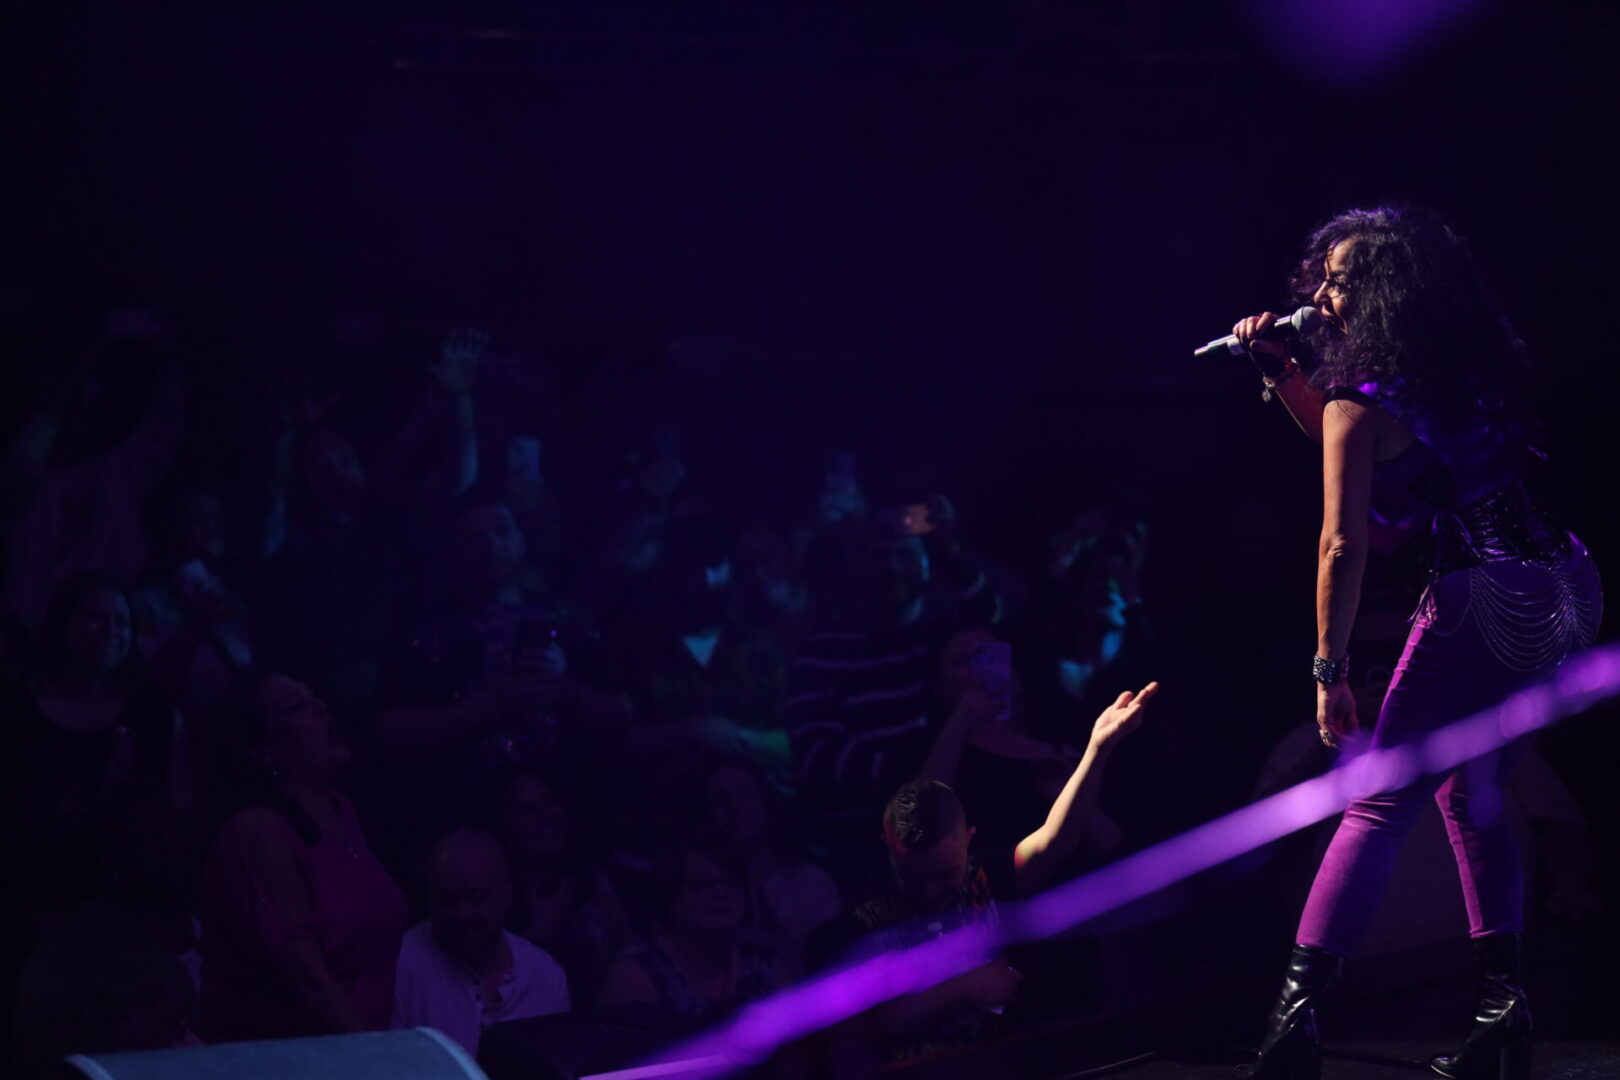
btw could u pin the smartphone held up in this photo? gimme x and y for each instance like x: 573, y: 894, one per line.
x: 992, y: 675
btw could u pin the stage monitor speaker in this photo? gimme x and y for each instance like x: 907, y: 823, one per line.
x: 420, y: 1054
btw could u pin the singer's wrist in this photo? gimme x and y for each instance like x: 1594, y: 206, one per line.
x: 1272, y: 365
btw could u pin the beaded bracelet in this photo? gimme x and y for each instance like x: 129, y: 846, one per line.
x: 1328, y: 672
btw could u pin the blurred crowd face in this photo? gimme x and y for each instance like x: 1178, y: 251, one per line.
x: 535, y: 820
x: 955, y: 672
x: 1101, y: 593
x: 471, y: 893
x: 330, y: 482
x: 908, y: 562
x: 301, y: 742
x: 931, y: 878
x: 489, y: 546
x: 737, y: 805
x: 640, y: 541
x: 898, y: 570
x: 766, y: 568
x: 935, y: 522
x: 100, y: 633
x: 711, y: 899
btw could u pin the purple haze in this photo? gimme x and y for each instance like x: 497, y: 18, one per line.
x: 1352, y: 42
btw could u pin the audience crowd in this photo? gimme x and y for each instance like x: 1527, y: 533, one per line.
x: 309, y: 739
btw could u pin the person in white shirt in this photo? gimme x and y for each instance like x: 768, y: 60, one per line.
x: 461, y: 970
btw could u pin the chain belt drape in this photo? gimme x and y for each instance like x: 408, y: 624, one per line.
x: 1526, y: 629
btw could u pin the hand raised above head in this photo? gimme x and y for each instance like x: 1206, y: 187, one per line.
x: 1122, y: 717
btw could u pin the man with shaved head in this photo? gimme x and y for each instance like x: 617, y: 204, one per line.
x: 462, y: 970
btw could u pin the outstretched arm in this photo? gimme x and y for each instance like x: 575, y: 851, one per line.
x: 1043, y: 852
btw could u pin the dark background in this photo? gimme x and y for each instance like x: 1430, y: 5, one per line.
x: 978, y: 236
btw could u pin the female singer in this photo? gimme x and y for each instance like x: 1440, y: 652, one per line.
x: 1421, y: 406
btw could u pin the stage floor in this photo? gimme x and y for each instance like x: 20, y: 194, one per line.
x: 1378, y: 1060
x: 1379, y: 1028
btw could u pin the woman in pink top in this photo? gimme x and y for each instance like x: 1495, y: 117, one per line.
x: 301, y: 923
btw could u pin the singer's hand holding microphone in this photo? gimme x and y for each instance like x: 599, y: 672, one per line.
x: 1262, y: 338
x: 1266, y: 332
x: 1251, y: 334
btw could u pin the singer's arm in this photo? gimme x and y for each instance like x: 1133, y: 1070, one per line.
x: 1350, y: 432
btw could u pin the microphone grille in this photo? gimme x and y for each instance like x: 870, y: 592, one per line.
x: 1306, y: 319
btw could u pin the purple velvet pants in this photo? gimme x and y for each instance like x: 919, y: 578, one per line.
x: 1480, y: 634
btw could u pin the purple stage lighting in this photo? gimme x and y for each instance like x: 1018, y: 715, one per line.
x: 1354, y: 42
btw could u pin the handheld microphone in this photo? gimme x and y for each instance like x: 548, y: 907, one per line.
x: 1303, y: 321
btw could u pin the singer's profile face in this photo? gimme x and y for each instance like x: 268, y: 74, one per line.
x: 1332, y: 297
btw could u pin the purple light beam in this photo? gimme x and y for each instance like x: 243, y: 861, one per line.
x: 768, y: 1025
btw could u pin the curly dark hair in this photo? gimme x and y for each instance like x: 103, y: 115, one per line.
x: 1424, y: 323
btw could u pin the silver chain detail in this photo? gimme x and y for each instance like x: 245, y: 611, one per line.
x: 1536, y: 630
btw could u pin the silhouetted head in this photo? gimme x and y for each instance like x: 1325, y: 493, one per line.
x: 287, y: 730
x: 927, y: 835
x: 328, y: 486
x: 702, y: 889
x: 487, y: 545
x: 737, y: 804
x: 534, y: 817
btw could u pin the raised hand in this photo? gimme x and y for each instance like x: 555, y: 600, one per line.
x: 1122, y: 717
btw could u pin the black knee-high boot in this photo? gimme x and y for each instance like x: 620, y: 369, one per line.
x: 1498, y: 1047
x: 1292, y: 1049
